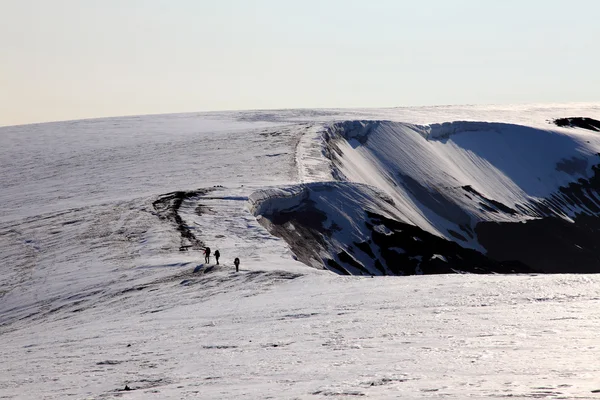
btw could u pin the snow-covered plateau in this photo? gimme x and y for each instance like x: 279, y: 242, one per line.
x: 427, y: 252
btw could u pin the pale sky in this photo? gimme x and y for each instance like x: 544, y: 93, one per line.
x: 70, y: 59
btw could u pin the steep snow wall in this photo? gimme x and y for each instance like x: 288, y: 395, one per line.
x: 478, y: 184
x: 349, y: 228
x: 448, y: 177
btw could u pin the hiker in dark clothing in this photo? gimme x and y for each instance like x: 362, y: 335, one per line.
x: 237, y: 264
x: 217, y: 255
x: 207, y: 255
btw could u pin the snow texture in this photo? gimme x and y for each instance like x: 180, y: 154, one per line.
x: 104, y: 293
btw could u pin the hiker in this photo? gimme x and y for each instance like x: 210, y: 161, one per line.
x: 207, y: 255
x: 237, y: 264
x: 217, y: 255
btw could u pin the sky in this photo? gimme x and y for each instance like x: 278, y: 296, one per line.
x: 72, y: 59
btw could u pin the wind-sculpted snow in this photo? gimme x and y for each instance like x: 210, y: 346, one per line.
x: 473, y: 183
x: 511, y: 164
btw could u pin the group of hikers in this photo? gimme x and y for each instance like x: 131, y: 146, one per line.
x: 217, y: 255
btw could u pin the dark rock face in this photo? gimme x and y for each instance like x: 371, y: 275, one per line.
x: 578, y: 122
x: 428, y: 254
x: 307, y: 237
x: 390, y: 248
x: 553, y: 244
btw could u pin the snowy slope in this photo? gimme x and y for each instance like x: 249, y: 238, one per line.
x: 96, y: 293
x: 505, y: 162
x: 448, y: 177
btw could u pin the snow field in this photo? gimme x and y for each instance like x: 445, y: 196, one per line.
x: 95, y: 294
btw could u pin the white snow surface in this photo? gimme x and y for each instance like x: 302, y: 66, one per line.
x: 95, y: 294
